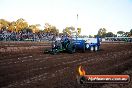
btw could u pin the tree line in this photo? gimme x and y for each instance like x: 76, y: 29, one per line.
x: 102, y: 32
x: 22, y: 25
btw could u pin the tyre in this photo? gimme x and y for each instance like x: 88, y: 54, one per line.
x: 83, y: 50
x: 71, y: 48
x: 91, y: 48
x: 96, y: 48
x: 87, y: 46
x: 54, y: 51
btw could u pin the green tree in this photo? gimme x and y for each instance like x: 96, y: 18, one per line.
x: 4, y: 24
x: 50, y: 29
x: 12, y: 26
x: 21, y: 24
x: 109, y: 34
x: 34, y: 28
x: 120, y: 33
x: 68, y: 30
x: 102, y: 32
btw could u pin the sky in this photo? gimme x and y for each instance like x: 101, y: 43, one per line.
x: 114, y: 15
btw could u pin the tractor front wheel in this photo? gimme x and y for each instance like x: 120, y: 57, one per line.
x: 91, y: 48
x: 96, y: 48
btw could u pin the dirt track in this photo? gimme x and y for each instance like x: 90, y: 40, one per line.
x: 33, y: 69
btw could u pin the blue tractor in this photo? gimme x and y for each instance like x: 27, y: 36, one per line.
x: 71, y: 45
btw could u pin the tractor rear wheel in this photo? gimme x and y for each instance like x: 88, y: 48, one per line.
x: 83, y: 50
x: 96, y: 48
x: 71, y: 48
x: 91, y: 48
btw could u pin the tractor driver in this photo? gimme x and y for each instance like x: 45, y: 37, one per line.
x: 64, y: 41
x: 64, y: 38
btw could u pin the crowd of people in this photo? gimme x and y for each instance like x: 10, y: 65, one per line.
x: 6, y: 35
x: 124, y: 39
